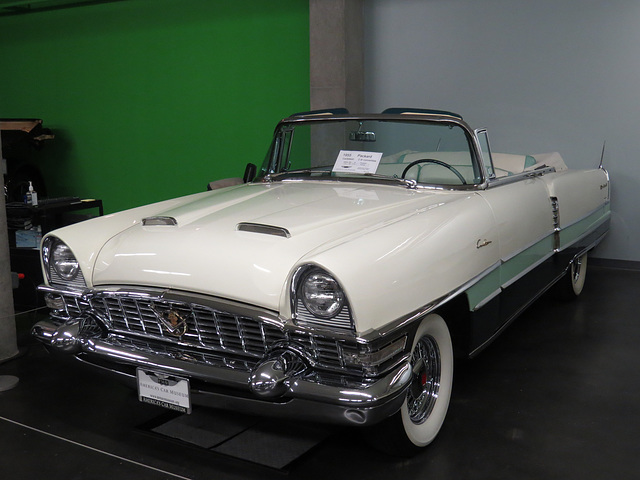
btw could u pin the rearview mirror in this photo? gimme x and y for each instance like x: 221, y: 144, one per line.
x: 359, y: 136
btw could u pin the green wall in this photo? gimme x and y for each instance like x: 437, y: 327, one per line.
x: 152, y: 99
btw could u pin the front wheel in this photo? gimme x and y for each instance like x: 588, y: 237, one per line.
x: 427, y: 399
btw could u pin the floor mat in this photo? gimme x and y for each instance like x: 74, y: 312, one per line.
x: 272, y: 443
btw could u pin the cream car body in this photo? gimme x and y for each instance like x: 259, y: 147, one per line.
x: 319, y: 292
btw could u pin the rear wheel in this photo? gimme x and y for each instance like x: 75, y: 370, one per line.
x: 578, y: 274
x: 427, y: 400
x: 572, y: 284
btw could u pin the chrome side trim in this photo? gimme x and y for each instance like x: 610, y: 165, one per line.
x: 486, y: 300
x: 587, y: 215
x: 521, y: 176
x: 524, y: 249
x: 402, y: 322
x: 527, y: 270
x: 584, y: 250
x: 606, y: 218
x: 555, y: 209
x: 418, y: 314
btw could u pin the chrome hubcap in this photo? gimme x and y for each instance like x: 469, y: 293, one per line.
x: 576, y: 270
x: 425, y: 383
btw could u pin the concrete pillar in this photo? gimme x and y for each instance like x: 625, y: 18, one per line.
x: 8, y: 344
x: 336, y: 29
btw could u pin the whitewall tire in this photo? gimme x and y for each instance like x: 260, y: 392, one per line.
x: 571, y: 285
x: 427, y: 398
x: 425, y: 408
x: 578, y: 274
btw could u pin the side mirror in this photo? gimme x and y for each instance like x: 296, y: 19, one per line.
x: 249, y: 172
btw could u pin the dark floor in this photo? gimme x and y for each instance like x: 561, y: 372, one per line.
x: 556, y: 397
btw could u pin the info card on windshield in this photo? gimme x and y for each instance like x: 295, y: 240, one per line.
x: 353, y: 161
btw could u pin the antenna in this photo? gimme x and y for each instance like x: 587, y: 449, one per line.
x: 602, y: 154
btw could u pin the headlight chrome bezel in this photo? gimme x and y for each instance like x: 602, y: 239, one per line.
x: 64, y: 262
x: 321, y: 294
x: 312, y: 290
x: 60, y: 264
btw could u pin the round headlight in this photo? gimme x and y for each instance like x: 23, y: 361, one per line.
x: 322, y: 295
x: 64, y: 261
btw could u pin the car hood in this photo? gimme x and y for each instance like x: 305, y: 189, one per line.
x: 208, y: 252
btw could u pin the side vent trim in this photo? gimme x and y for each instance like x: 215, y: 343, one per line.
x: 264, y: 229
x: 152, y: 221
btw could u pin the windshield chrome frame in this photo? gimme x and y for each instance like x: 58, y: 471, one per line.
x: 474, y: 146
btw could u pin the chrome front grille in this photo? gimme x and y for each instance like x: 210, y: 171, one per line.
x: 209, y: 329
x: 73, y: 307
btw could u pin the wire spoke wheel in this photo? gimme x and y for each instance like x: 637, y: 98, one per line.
x: 427, y: 396
x: 578, y: 271
x: 425, y: 383
x: 572, y: 284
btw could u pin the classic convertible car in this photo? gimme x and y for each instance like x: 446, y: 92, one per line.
x: 338, y: 282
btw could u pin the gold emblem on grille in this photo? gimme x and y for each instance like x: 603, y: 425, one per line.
x: 171, y: 321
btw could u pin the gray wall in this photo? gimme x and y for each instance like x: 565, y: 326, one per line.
x: 549, y: 75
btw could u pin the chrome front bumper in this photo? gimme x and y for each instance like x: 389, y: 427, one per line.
x: 279, y: 385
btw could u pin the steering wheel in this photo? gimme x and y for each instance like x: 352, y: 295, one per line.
x: 436, y: 162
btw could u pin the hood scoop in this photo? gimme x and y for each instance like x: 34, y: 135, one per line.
x: 264, y: 229
x: 152, y: 221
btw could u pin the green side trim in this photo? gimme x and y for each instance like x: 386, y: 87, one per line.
x: 517, y: 265
x: 574, y: 232
x: 496, y: 280
x: 508, y: 272
x: 484, y: 289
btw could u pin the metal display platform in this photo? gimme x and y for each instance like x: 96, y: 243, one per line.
x: 267, y: 442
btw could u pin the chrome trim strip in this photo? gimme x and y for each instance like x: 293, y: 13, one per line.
x: 421, y: 312
x: 555, y: 209
x: 604, y: 219
x: 68, y: 290
x: 519, y: 311
x: 587, y: 215
x: 486, y: 300
x: 517, y: 277
x: 583, y: 250
x: 530, y: 245
x: 399, y: 323
x: 527, y: 270
x: 495, y: 182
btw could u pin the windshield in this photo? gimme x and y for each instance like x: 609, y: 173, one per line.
x: 430, y: 153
